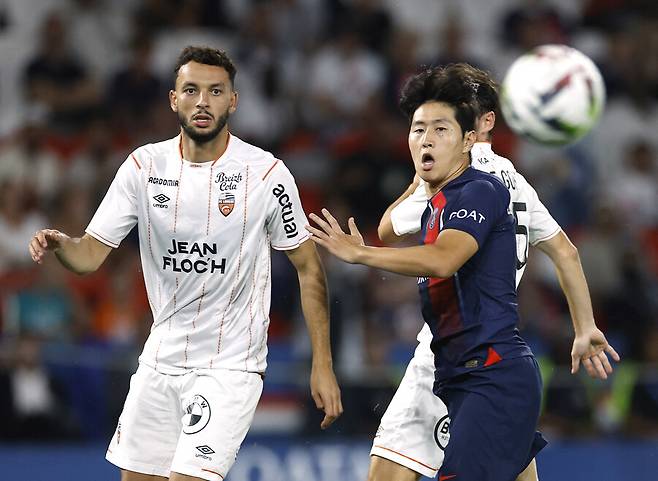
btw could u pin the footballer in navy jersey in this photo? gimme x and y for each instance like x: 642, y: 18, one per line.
x: 487, y: 376
x: 473, y: 314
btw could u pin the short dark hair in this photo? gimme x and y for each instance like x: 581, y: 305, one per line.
x: 432, y: 85
x: 484, y: 87
x: 206, y: 56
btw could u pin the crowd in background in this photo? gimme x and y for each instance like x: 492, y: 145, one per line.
x: 84, y: 82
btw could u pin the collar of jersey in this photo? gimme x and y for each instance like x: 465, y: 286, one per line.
x: 484, y: 147
x: 199, y: 164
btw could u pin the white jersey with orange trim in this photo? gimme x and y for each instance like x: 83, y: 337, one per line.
x: 205, y: 232
x: 534, y: 223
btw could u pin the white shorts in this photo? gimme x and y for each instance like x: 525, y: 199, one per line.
x: 191, y: 424
x: 414, y: 430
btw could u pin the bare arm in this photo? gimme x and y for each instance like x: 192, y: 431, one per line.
x: 81, y: 255
x: 590, y: 345
x: 441, y: 259
x: 385, y: 229
x: 315, y: 306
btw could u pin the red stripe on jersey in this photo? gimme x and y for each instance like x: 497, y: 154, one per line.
x: 136, y: 162
x: 442, y: 293
x: 433, y: 222
x: 492, y: 357
x: 270, y: 169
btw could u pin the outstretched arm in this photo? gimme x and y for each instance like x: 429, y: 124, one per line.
x: 315, y: 306
x: 80, y: 254
x: 441, y: 259
x: 590, y: 345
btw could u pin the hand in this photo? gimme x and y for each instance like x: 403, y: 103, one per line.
x: 43, y: 241
x: 331, y: 237
x: 591, y: 349
x: 326, y: 394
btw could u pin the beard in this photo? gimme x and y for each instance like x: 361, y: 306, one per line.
x: 203, y: 137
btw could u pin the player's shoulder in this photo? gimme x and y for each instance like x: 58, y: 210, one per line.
x: 157, y: 151
x: 260, y: 161
x: 485, y: 159
x: 482, y: 184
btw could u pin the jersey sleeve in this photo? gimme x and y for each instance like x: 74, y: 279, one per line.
x: 542, y: 226
x: 406, y: 216
x: 117, y: 213
x: 477, y: 210
x: 286, y: 220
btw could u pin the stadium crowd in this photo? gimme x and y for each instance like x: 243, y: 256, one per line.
x: 83, y: 82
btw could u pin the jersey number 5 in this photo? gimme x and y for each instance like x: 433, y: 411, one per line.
x: 520, y: 230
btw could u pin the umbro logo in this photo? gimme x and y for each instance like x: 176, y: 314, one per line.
x: 161, y: 201
x: 205, y: 449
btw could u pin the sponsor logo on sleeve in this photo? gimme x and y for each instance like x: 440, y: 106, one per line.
x: 287, y: 214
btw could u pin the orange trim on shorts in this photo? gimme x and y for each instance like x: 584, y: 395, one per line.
x: 136, y: 161
x: 407, y: 457
x: 270, y: 169
x: 213, y: 472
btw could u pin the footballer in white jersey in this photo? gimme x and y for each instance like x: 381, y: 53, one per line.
x: 415, y: 410
x: 205, y: 231
x: 208, y: 207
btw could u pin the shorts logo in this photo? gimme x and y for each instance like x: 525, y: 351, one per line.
x: 205, y: 449
x: 226, y: 203
x: 197, y: 415
x: 442, y: 432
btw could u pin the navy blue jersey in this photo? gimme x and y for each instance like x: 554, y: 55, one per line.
x: 473, y: 314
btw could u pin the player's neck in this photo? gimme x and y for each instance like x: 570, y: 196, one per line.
x: 450, y: 177
x: 204, y: 152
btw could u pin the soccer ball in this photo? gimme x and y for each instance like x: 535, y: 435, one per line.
x: 552, y: 95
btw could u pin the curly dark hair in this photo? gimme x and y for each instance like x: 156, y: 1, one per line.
x: 206, y: 56
x: 433, y: 85
x: 485, y: 88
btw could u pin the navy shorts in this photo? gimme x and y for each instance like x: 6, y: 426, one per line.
x: 493, y: 419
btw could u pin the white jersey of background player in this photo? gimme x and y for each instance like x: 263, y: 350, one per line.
x: 208, y: 207
x: 415, y: 427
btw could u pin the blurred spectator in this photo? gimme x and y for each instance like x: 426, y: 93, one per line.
x: 134, y: 90
x: 18, y: 223
x: 635, y: 191
x: 26, y: 161
x: 643, y: 414
x: 33, y: 403
x: 57, y: 81
x: 47, y: 309
x: 343, y: 77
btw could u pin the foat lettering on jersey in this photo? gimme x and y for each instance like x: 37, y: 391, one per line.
x: 287, y: 215
x: 228, y: 182
x: 200, y: 265
x: 464, y: 214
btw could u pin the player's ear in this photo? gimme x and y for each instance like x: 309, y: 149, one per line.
x: 173, y: 101
x: 486, y: 122
x: 469, y: 140
x: 233, y: 104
